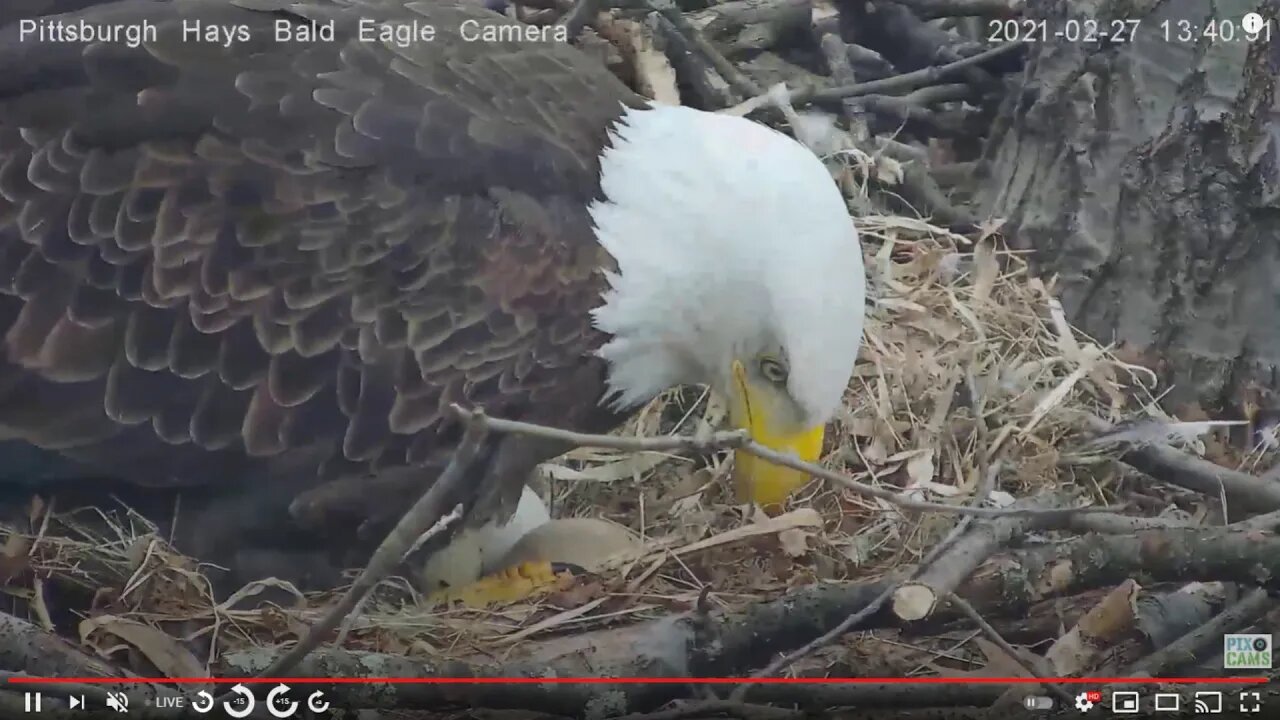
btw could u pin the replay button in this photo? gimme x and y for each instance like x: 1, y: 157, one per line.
x: 316, y: 702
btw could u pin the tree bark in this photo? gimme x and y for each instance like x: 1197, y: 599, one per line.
x: 1146, y: 175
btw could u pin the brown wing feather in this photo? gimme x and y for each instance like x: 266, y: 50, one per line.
x: 211, y: 256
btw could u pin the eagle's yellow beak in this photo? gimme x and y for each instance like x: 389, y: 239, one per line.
x: 756, y: 480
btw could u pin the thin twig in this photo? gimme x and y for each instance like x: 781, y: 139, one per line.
x: 925, y: 96
x: 994, y: 636
x: 729, y: 440
x: 890, y: 497
x: 443, y: 524
x: 981, y: 431
x: 821, y: 641
x: 904, y: 82
x: 738, y: 441
x: 835, y: 633
x: 39, y: 606
x: 423, y: 516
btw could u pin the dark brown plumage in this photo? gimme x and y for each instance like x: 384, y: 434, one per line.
x: 272, y: 266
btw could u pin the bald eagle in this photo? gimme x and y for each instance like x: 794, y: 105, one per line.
x: 238, y: 260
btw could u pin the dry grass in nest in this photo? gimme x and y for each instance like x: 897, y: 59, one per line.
x: 950, y: 320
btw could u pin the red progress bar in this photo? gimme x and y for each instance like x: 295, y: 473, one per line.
x: 650, y: 681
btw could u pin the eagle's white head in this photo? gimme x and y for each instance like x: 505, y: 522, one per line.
x: 739, y: 268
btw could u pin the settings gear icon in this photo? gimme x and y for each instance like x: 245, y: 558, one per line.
x: 1083, y: 703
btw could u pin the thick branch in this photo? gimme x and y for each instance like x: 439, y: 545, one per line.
x: 906, y: 81
x: 739, y: 82
x: 754, y: 25
x: 733, y: 645
x: 1173, y: 466
x: 1186, y: 649
x: 919, y: 598
x: 710, y: 91
x: 1027, y: 575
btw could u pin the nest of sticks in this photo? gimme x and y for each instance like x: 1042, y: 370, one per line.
x: 972, y: 393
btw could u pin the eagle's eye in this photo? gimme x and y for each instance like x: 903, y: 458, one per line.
x: 773, y: 370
